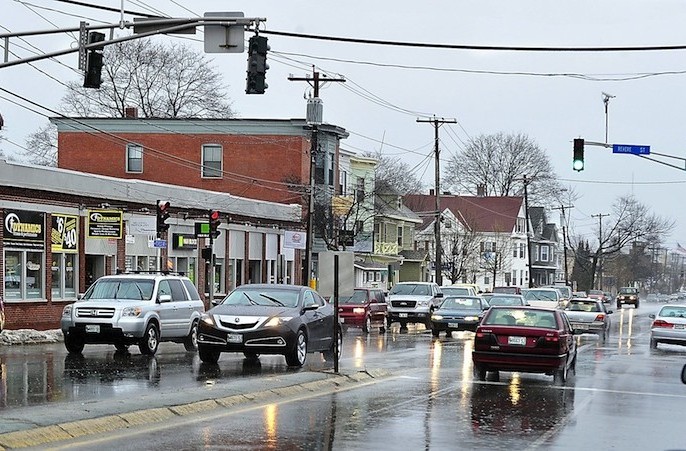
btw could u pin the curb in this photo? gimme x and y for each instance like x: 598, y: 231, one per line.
x: 80, y: 428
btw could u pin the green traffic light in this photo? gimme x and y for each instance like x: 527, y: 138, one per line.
x: 578, y: 165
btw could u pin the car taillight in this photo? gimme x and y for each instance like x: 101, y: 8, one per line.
x: 600, y: 317
x: 661, y: 323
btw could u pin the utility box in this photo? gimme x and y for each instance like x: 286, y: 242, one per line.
x: 346, y: 269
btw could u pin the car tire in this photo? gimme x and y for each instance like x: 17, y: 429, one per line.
x: 382, y: 330
x: 208, y: 355
x: 297, y: 355
x: 74, y: 343
x: 560, y: 376
x: 367, y: 327
x: 388, y: 322
x: 252, y: 356
x: 435, y: 332
x: 653, y: 343
x: 479, y: 372
x: 190, y: 343
x: 636, y: 304
x: 619, y: 306
x: 329, y: 354
x: 150, y: 341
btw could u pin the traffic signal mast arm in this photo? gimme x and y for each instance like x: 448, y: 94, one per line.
x: 610, y: 146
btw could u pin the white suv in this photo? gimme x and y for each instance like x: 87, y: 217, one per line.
x: 413, y: 302
x: 127, y: 309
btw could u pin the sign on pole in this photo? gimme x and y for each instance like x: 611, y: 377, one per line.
x: 224, y: 38
x: 631, y: 149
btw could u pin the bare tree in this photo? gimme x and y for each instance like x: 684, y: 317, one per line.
x: 498, y: 163
x: 630, y: 221
x: 459, y: 246
x: 159, y: 80
x: 393, y: 175
x: 41, y: 146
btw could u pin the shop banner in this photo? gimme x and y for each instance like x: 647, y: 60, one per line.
x: 294, y: 240
x: 105, y: 224
x: 64, y: 235
x: 184, y: 241
x: 24, y: 229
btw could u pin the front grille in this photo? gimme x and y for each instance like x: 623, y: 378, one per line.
x: 241, y: 326
x: 404, y: 304
x: 94, y: 312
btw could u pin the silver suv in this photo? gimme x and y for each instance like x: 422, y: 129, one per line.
x: 127, y: 309
x: 413, y: 302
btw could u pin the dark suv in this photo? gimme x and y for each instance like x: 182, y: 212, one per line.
x: 134, y: 309
x: 366, y: 307
x: 627, y: 295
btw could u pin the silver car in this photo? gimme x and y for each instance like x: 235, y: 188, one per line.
x: 589, y: 315
x: 669, y: 326
x: 134, y: 309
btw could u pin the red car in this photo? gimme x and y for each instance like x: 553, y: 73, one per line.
x: 524, y: 339
x: 365, y: 308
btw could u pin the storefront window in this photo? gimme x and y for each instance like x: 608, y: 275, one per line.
x: 56, y: 275
x: 24, y: 275
x: 13, y: 274
x: 219, y: 286
x: 70, y: 275
x: 63, y: 276
x: 34, y: 275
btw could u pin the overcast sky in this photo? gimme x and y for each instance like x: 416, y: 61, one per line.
x: 553, y: 97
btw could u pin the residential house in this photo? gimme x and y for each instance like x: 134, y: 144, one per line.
x: 546, y: 264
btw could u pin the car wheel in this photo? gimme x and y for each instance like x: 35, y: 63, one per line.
x: 619, y: 306
x: 298, y: 352
x: 435, y: 332
x: 252, y: 356
x: 636, y: 304
x: 367, y: 327
x: 653, y: 343
x: 150, y: 341
x: 74, y: 343
x: 403, y: 325
x: 122, y: 348
x: 208, y: 355
x: 388, y: 322
x: 191, y: 341
x: 382, y: 330
x: 494, y: 376
x: 479, y: 372
x: 329, y: 353
x: 560, y: 376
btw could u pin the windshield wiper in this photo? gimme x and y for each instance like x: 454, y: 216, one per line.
x: 250, y: 299
x: 275, y: 301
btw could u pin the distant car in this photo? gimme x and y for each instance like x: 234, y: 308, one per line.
x: 365, y: 308
x: 669, y: 326
x: 628, y: 295
x: 543, y: 297
x: 413, y: 302
x: 255, y: 319
x: 589, y: 315
x: 507, y: 290
x: 596, y: 294
x: 652, y: 297
x: 507, y: 299
x: 673, y: 297
x: 458, y: 313
x: 565, y: 292
x: 452, y: 290
x: 525, y: 339
x: 579, y: 294
x: 664, y: 298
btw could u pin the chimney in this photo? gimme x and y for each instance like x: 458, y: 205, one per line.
x: 481, y: 190
x: 131, y: 112
x: 432, y: 192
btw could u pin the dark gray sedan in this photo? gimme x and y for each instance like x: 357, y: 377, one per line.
x: 458, y: 313
x: 290, y: 320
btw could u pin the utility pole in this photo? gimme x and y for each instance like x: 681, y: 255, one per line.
x: 314, y: 119
x: 600, y: 249
x: 528, y: 237
x: 437, y: 222
x: 564, y: 237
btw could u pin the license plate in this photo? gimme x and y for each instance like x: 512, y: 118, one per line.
x: 454, y: 325
x: 234, y: 338
x: 580, y: 326
x: 402, y: 315
x: 518, y: 341
x: 93, y: 328
x: 679, y: 326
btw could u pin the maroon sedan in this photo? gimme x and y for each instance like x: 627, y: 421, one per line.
x: 524, y: 339
x: 365, y: 308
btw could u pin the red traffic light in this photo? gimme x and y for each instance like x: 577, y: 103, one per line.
x: 214, y: 215
x: 163, y: 205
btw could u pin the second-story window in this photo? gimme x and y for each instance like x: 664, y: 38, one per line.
x: 343, y: 180
x: 134, y: 158
x: 211, y: 161
x: 359, y: 189
x: 400, y: 236
x: 545, y: 253
x: 521, y: 225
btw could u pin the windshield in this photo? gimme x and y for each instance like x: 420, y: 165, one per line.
x: 358, y: 297
x: 511, y: 290
x: 455, y: 291
x: 541, y: 295
x: 411, y: 289
x: 266, y: 297
x: 129, y: 289
x: 505, y: 300
x: 461, y: 303
x: 628, y: 290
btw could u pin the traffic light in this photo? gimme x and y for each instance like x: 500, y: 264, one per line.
x: 578, y: 162
x: 215, y: 220
x: 257, y: 65
x: 93, y: 77
x: 162, y: 216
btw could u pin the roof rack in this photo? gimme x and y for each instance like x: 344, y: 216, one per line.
x: 152, y: 271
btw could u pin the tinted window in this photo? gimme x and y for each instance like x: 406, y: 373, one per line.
x: 178, y: 293
x: 192, y: 291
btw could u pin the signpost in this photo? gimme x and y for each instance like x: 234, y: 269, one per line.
x: 631, y: 149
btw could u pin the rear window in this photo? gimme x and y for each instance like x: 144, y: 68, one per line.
x: 582, y: 306
x: 675, y: 312
x: 521, y: 317
x: 192, y: 291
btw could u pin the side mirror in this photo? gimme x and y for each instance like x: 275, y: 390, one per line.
x: 651, y: 316
x: 79, y: 296
x: 164, y: 298
x: 439, y: 295
x: 683, y: 375
x: 216, y: 302
x: 310, y: 307
x: 610, y: 312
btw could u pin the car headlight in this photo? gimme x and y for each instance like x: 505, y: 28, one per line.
x: 471, y: 318
x: 67, y: 310
x: 277, y: 321
x: 358, y: 311
x: 207, y: 319
x: 131, y: 311
x: 422, y: 303
x: 436, y: 317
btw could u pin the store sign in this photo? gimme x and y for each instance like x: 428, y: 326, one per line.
x: 64, y: 235
x: 105, y: 224
x: 294, y: 240
x: 25, y: 229
x: 142, y: 225
x: 182, y: 241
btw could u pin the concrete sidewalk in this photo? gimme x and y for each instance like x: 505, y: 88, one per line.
x: 39, y: 425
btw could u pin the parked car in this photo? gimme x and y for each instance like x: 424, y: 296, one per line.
x: 627, y: 295
x: 507, y: 299
x: 589, y: 315
x: 365, y: 308
x: 524, y: 339
x: 128, y: 309
x: 507, y: 290
x: 413, y: 302
x: 669, y: 326
x: 543, y: 297
x: 255, y: 319
x: 458, y: 313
